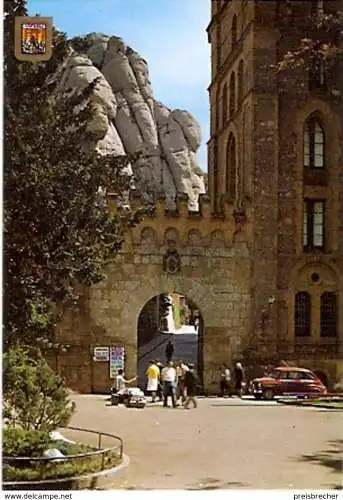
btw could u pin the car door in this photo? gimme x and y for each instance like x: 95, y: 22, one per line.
x: 306, y: 381
x: 283, y: 382
x: 293, y: 383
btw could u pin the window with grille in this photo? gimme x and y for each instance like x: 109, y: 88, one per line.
x: 231, y: 167
x: 328, y: 314
x: 232, y: 102
x: 314, y: 145
x: 302, y: 314
x: 314, y: 224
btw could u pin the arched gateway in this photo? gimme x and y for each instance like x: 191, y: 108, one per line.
x: 205, y: 258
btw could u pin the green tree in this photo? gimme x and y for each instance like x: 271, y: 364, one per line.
x: 319, y: 40
x: 35, y: 398
x: 58, y: 227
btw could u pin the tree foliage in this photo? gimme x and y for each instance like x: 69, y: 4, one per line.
x: 320, y: 35
x: 35, y: 398
x: 58, y: 227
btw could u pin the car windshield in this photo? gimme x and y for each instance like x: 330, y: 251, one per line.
x: 275, y: 374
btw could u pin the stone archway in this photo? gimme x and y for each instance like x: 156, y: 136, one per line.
x: 208, y: 267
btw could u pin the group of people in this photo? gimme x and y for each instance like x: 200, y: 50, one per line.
x: 177, y: 382
x: 229, y: 385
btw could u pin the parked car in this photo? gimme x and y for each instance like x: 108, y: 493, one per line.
x: 286, y: 380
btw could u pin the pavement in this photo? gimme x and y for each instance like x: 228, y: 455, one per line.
x: 226, y: 443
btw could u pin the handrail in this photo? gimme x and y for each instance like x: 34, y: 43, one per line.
x: 99, y: 451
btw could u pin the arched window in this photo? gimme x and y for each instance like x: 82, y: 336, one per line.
x: 232, y: 101
x: 231, y: 166
x: 234, y: 31
x: 240, y: 82
x: 314, y: 144
x: 328, y: 314
x: 224, y: 110
x: 302, y: 314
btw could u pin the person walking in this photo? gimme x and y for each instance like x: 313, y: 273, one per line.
x: 191, y: 381
x: 225, y: 381
x: 239, y: 377
x: 169, y: 378
x: 169, y: 351
x: 153, y: 374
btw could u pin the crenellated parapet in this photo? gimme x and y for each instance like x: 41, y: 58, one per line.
x: 188, y: 228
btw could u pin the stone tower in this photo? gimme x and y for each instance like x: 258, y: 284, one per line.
x: 276, y: 147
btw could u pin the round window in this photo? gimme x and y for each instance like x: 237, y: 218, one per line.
x: 315, y: 277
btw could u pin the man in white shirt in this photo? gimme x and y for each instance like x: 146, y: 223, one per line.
x: 168, y: 376
x: 120, y: 382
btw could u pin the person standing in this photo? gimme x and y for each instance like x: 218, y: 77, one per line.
x: 191, y: 381
x: 169, y: 378
x: 153, y: 374
x: 181, y: 370
x: 239, y: 376
x: 169, y: 351
x: 225, y: 381
x: 159, y: 385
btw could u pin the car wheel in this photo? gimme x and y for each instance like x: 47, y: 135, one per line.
x: 258, y: 396
x: 268, y: 394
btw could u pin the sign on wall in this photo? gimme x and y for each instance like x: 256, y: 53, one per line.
x: 117, y: 360
x: 101, y: 354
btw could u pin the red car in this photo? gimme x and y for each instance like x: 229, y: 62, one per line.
x: 287, y: 380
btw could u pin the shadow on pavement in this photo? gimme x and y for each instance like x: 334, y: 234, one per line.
x: 215, y: 484
x: 263, y: 405
x: 331, y: 458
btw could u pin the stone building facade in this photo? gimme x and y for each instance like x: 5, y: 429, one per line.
x: 263, y: 257
x: 276, y: 147
x: 201, y: 256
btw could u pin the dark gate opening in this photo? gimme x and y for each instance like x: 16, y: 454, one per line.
x: 175, y: 318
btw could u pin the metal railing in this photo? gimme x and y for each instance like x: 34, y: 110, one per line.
x: 112, y: 451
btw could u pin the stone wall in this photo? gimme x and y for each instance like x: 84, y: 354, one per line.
x: 214, y: 273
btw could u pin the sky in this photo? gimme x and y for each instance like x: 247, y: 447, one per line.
x: 169, y: 34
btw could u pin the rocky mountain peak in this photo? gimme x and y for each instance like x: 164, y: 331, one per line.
x: 129, y: 120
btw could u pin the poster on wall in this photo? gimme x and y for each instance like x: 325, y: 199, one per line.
x: 117, y: 359
x: 101, y: 354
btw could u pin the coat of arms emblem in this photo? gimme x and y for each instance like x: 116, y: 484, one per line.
x: 171, y: 260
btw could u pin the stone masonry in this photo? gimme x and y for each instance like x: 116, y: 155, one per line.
x: 267, y: 120
x: 214, y: 274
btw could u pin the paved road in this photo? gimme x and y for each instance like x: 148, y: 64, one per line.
x: 225, y: 443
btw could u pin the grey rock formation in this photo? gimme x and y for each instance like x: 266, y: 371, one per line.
x: 128, y: 120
